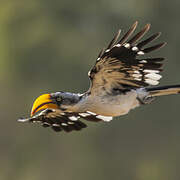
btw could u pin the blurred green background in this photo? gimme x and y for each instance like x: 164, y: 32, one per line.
x: 48, y: 46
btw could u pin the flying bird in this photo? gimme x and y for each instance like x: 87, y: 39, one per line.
x: 120, y: 81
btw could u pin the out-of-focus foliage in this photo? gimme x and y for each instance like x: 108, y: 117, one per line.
x: 46, y: 46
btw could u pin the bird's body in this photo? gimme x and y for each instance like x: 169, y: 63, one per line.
x: 120, y: 82
x: 107, y: 104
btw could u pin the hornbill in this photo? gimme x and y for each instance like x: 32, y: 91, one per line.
x: 120, y: 82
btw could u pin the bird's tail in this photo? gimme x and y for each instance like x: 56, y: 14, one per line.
x: 163, y: 90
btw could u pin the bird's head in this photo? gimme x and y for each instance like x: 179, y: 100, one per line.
x: 58, y: 100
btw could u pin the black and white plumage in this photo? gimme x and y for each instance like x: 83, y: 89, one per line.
x: 119, y: 83
x: 119, y: 65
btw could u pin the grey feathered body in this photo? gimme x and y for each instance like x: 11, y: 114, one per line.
x: 109, y: 105
x: 120, y: 104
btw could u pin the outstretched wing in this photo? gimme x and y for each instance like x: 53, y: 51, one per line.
x: 118, y: 67
x: 68, y: 122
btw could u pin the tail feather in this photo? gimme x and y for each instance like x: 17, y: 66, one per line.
x: 163, y: 90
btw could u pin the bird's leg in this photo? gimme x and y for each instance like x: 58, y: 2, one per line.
x: 145, y: 100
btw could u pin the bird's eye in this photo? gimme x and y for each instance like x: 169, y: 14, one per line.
x: 59, y: 99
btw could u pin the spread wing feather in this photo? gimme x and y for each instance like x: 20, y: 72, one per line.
x: 118, y: 66
x: 64, y: 121
x: 57, y: 121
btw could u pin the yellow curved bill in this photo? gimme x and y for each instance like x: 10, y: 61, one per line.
x: 43, y: 102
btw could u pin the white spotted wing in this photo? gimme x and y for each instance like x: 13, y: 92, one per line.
x: 66, y: 121
x: 119, y: 66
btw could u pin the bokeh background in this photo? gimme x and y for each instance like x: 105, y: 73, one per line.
x: 47, y: 46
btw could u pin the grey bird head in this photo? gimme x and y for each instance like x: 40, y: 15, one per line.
x: 59, y: 100
x: 65, y: 99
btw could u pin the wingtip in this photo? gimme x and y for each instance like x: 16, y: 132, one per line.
x: 134, y: 25
x: 157, y: 34
x: 147, y: 26
x: 119, y: 31
x: 22, y: 120
x: 163, y: 44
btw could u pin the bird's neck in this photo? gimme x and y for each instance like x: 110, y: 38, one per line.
x: 79, y: 102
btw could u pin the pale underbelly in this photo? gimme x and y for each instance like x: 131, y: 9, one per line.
x: 115, y: 105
